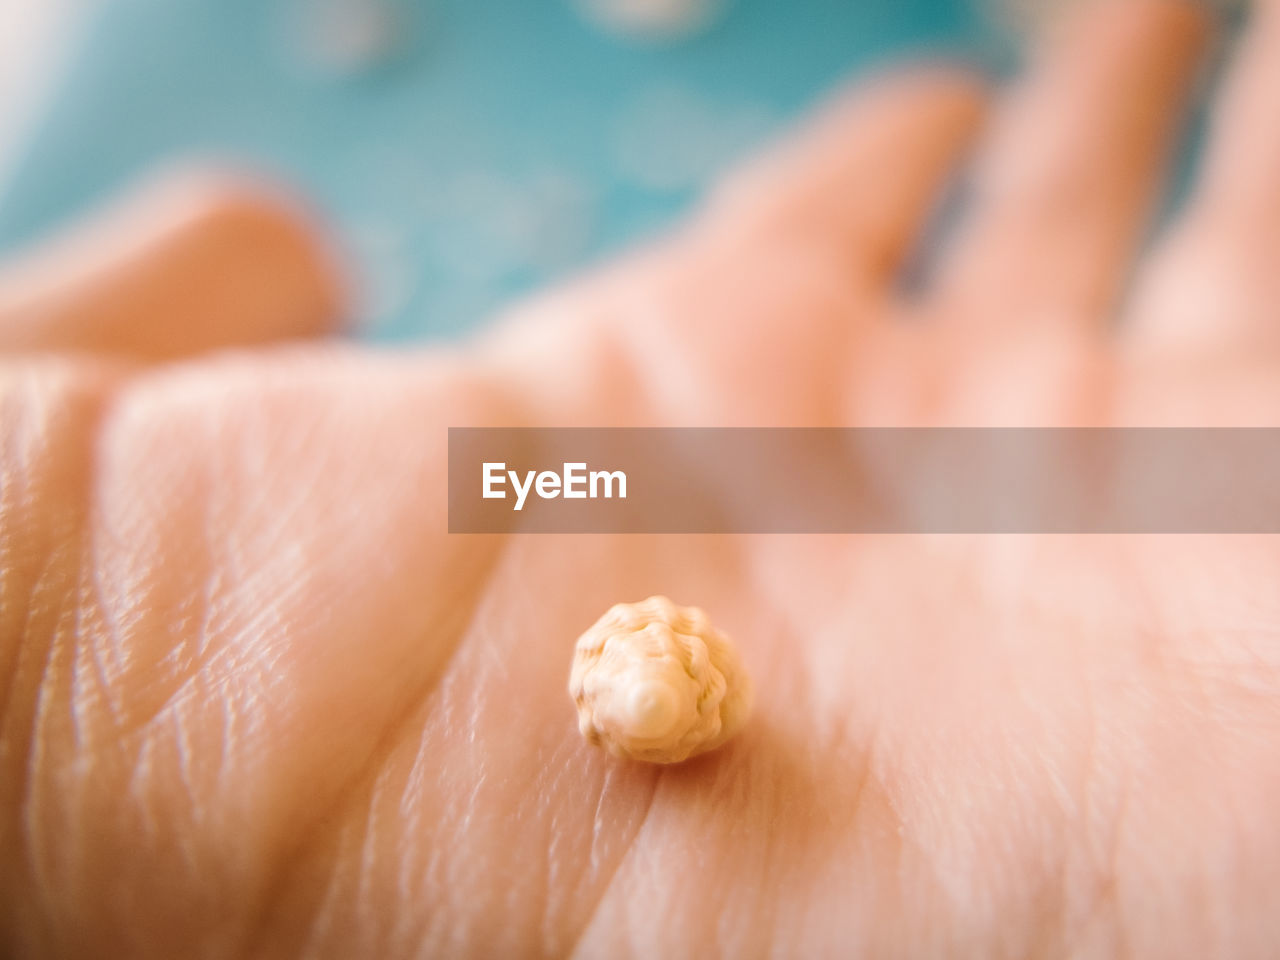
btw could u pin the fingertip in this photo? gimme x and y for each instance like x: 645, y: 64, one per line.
x: 277, y: 223
x: 195, y: 259
x: 864, y: 167
x: 265, y: 246
x: 918, y: 94
x: 1130, y: 21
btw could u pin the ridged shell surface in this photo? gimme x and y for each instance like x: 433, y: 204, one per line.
x: 657, y: 682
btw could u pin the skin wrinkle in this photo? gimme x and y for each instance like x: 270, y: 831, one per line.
x: 909, y: 835
x: 869, y: 781
x: 182, y: 740
x: 1159, y: 667
x: 1220, y: 925
x: 8, y: 592
x: 570, y: 749
x: 141, y: 770
x: 368, y: 855
x: 463, y: 610
x: 1104, y: 870
x: 839, y: 737
x: 137, y: 730
x: 170, y: 727
x: 86, y: 391
x: 859, y: 797
x: 148, y: 811
x: 577, y: 941
x: 51, y: 558
x: 558, y: 834
x: 229, y: 655
x: 94, y: 560
x: 214, y: 586
x: 42, y: 578
x: 1050, y: 928
x: 403, y: 879
x: 92, y: 650
x: 76, y: 702
x: 414, y: 778
x: 1056, y: 929
x: 597, y: 818
x: 142, y: 729
x: 29, y: 807
x: 833, y: 731
x: 907, y: 839
x: 932, y: 810
x: 1051, y: 908
x: 1109, y: 900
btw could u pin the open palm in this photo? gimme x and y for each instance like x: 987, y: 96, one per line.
x: 258, y: 702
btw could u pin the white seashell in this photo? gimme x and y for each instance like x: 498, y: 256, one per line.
x: 656, y: 682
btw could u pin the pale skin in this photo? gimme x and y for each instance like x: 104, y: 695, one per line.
x: 257, y: 701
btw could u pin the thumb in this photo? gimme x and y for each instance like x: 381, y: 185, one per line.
x: 185, y: 264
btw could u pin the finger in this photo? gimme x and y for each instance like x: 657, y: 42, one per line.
x: 1063, y: 188
x: 1214, y: 280
x: 864, y: 175
x: 1241, y: 182
x: 186, y: 265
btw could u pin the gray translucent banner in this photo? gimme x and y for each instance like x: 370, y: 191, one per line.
x: 928, y: 480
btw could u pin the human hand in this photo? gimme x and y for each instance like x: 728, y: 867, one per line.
x: 259, y: 702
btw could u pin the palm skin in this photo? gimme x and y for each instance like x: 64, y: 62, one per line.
x: 258, y: 702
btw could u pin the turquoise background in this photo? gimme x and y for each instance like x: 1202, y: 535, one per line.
x: 488, y: 155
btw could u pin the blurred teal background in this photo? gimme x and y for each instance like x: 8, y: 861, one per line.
x: 474, y: 149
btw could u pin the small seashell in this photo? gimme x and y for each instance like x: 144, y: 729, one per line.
x: 656, y: 682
